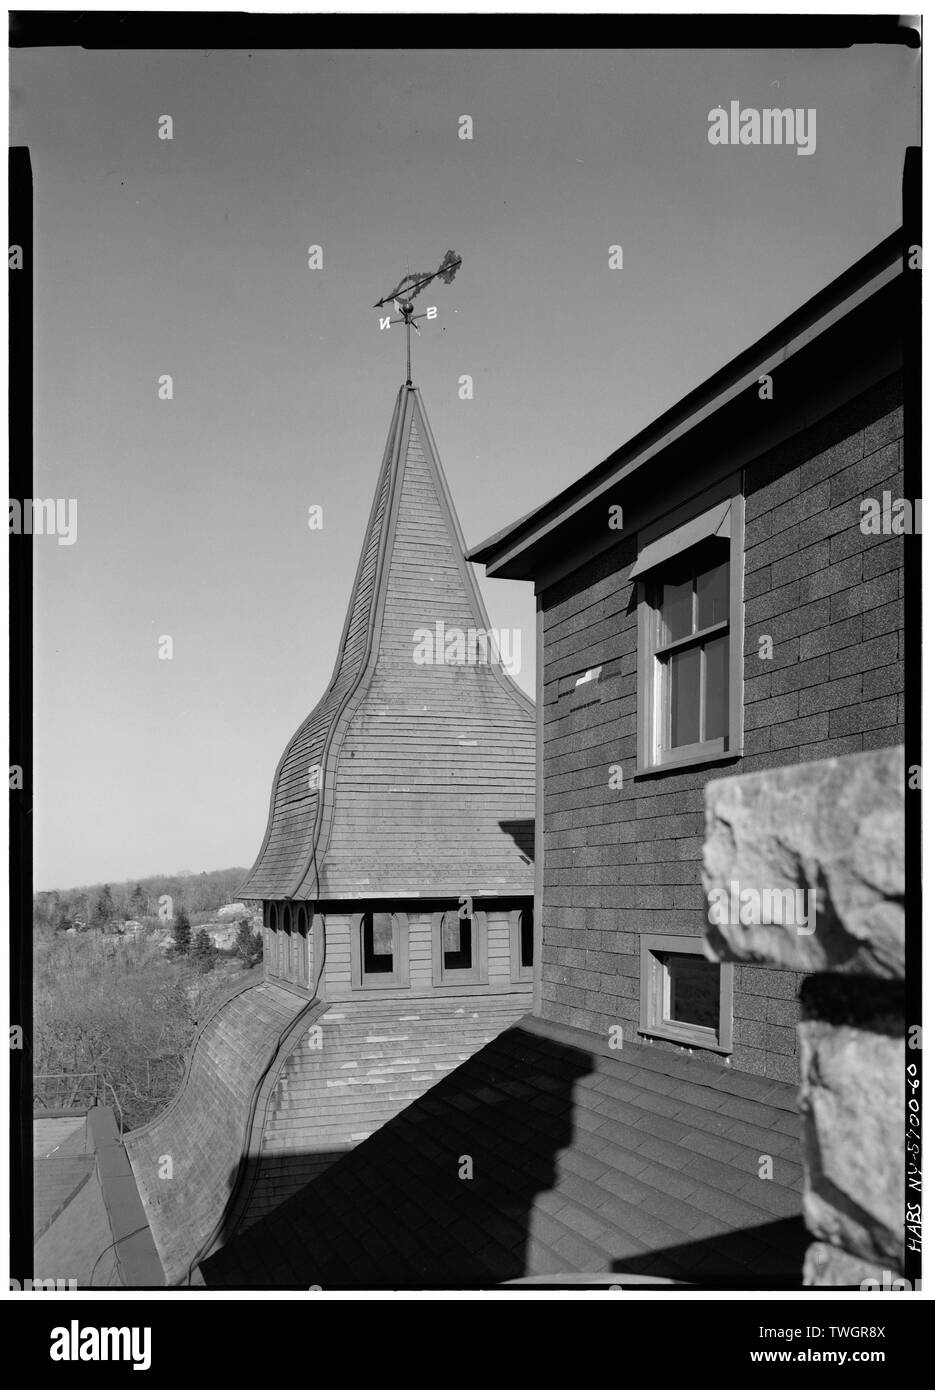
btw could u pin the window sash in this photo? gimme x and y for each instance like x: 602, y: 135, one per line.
x: 662, y: 677
x: 693, y: 638
x: 673, y: 545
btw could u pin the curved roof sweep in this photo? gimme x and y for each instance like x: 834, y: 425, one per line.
x: 427, y: 767
x: 203, y: 1127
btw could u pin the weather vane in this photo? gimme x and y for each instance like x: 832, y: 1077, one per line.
x: 405, y: 292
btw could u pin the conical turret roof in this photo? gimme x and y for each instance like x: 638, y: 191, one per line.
x: 427, y: 765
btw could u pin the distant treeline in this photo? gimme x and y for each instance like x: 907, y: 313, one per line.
x: 103, y: 903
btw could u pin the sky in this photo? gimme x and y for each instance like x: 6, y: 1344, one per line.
x: 189, y: 257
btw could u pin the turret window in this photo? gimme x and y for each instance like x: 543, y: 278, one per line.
x: 521, y: 944
x: 272, y: 938
x: 377, y: 938
x: 379, y: 950
x: 459, y: 946
x: 302, y: 933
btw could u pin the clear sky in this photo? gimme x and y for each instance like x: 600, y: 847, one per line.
x: 189, y: 257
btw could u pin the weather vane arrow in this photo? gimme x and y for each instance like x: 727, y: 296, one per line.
x: 405, y: 292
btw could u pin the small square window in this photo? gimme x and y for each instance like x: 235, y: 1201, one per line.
x: 379, y: 950
x: 684, y: 997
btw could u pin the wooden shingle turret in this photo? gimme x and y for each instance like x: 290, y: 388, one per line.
x: 413, y: 777
x: 396, y: 878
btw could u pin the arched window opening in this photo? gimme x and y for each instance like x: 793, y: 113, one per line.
x: 459, y: 947
x: 272, y: 938
x: 377, y: 943
x: 458, y: 942
x: 380, y: 950
x: 302, y: 932
x: 525, y: 939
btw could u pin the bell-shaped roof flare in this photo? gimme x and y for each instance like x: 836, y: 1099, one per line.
x: 414, y: 775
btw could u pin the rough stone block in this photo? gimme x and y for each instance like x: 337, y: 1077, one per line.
x: 852, y: 1051
x: 833, y: 827
x: 827, y: 1267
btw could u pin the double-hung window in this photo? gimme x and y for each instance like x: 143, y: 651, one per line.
x: 690, y: 688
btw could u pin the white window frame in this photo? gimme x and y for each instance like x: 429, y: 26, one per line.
x: 668, y: 540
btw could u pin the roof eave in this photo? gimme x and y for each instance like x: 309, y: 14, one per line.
x: 506, y: 553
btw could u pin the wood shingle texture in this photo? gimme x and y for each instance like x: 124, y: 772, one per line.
x: 427, y: 767
x: 355, y: 1067
x: 546, y: 1154
x: 186, y: 1161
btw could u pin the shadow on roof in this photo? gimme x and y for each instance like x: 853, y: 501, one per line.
x: 527, y: 1161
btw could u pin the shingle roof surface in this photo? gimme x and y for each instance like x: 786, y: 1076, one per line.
x: 428, y: 768
x: 204, y: 1128
x: 630, y: 1162
x: 371, y: 1059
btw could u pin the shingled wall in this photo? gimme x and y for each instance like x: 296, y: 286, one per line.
x: 620, y: 863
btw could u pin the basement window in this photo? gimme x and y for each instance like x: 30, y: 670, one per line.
x: 684, y: 997
x: 379, y: 950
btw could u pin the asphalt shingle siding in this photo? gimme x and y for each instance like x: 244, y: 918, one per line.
x: 618, y: 863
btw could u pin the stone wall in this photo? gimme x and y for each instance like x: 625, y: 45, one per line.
x: 834, y: 829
